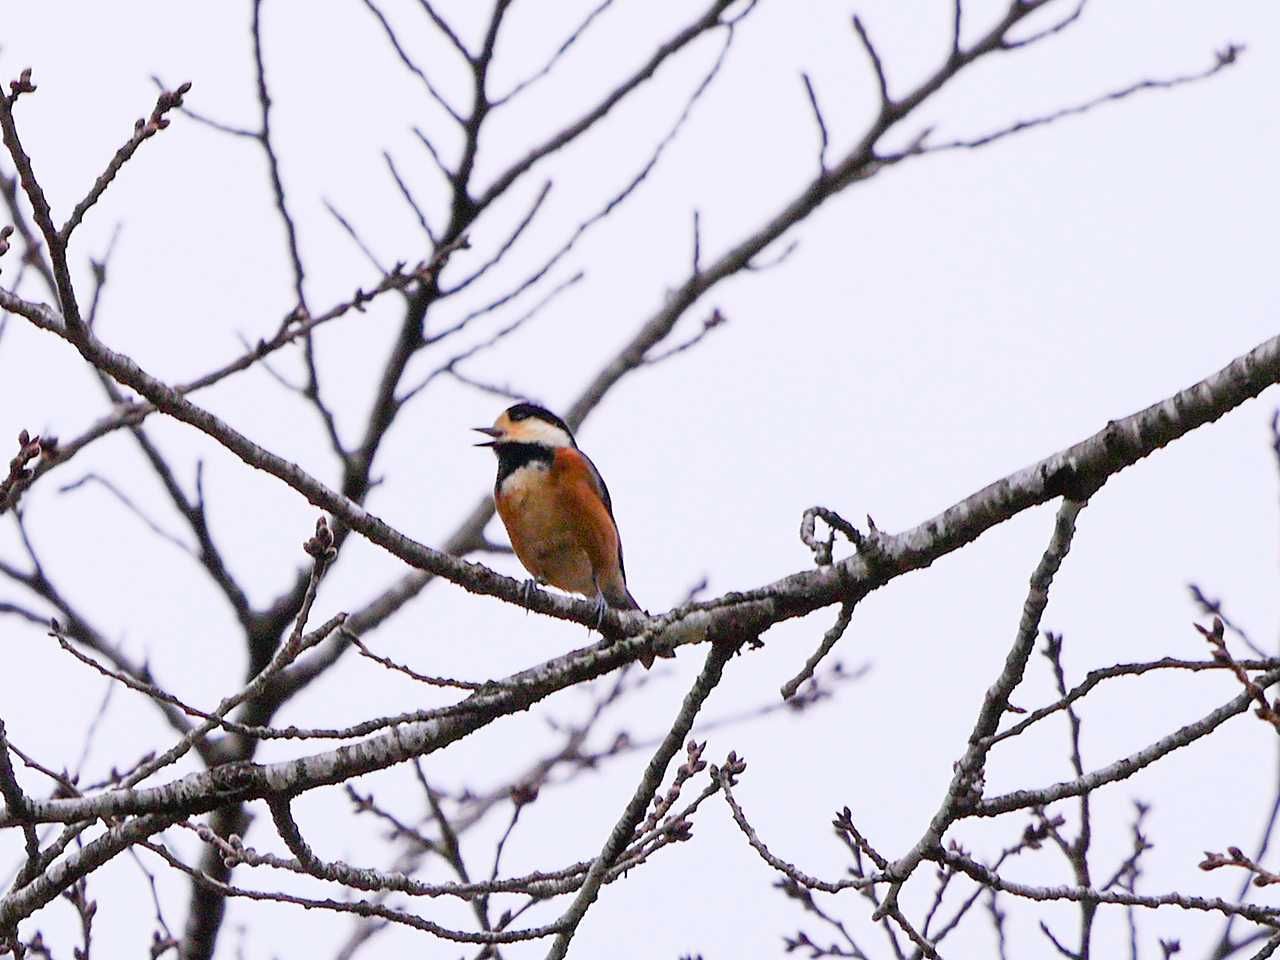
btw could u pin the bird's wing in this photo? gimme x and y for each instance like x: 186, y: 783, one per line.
x: 578, y: 464
x: 597, y: 481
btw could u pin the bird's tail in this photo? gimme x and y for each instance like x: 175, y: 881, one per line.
x: 625, y: 601
x: 616, y: 594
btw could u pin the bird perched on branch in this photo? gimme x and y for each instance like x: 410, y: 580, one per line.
x: 556, y: 507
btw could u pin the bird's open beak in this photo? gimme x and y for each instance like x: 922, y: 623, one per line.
x: 488, y: 432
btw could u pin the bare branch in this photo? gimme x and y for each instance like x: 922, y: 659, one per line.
x: 451, y: 176
x: 1213, y: 608
x: 555, y: 58
x: 887, y: 106
x: 817, y: 117
x: 206, y: 121
x: 610, y: 205
x: 1235, y: 857
x: 132, y: 507
x: 1225, y: 947
x: 31, y: 254
x: 623, y: 831
x: 354, y: 234
x: 44, y: 888
x: 413, y: 674
x: 715, y: 320
x: 710, y: 19
x: 293, y: 328
x: 965, y: 792
x: 503, y: 390
x: 360, y: 908
x: 726, y: 777
x: 1094, y: 677
x: 273, y: 162
x: 506, y: 245
x: 77, y: 626
x: 15, y: 801
x: 447, y: 30
x: 829, y: 640
x: 1222, y: 60
x: 1266, y: 915
x: 143, y: 130
x: 1049, y: 31
x: 1265, y: 711
x: 410, y: 65
x: 1126, y: 766
x: 20, y: 474
x: 39, y: 205
x: 450, y: 365
x: 409, y: 199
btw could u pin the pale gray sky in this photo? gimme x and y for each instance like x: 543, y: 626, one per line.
x: 937, y: 327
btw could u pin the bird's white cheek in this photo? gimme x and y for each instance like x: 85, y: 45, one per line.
x: 539, y: 431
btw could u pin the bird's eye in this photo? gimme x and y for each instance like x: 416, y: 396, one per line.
x: 519, y: 415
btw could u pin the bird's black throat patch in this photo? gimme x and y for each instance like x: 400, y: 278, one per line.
x: 512, y: 456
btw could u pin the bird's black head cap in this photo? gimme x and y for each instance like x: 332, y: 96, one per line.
x: 531, y: 411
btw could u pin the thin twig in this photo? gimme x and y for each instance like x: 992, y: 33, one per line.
x: 413, y: 674
x: 624, y: 829
x: 825, y: 140
x: 1222, y: 60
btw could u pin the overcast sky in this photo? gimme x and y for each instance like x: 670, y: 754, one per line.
x: 937, y: 327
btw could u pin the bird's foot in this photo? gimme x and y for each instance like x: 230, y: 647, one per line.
x: 601, y: 606
x: 527, y: 590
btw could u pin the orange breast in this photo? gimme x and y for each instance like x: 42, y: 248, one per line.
x: 559, y: 526
x: 542, y: 535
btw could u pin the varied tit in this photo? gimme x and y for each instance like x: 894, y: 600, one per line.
x: 556, y: 507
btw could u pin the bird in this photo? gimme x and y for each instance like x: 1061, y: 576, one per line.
x: 556, y: 507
